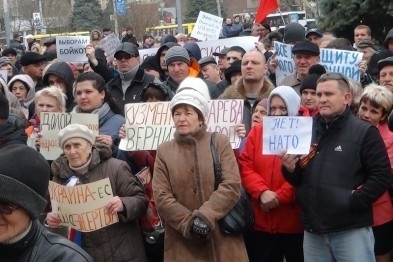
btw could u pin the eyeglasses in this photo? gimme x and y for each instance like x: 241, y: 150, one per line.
x: 124, y: 56
x: 7, y: 209
x: 335, y: 76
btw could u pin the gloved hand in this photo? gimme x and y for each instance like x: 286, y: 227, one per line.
x: 199, y: 228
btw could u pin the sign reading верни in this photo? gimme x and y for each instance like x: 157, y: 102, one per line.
x: 150, y: 124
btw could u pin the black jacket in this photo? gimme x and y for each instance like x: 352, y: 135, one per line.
x: 349, y: 172
x: 10, y: 135
x: 133, y: 92
x: 41, y: 245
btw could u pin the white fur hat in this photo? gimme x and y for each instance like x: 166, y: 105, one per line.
x: 192, y: 91
x: 76, y: 130
x: 290, y: 97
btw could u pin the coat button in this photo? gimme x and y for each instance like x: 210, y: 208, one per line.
x: 195, y: 190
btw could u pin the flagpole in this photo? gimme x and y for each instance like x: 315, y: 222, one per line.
x: 283, y: 21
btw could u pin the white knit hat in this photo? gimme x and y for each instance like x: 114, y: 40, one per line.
x: 192, y: 91
x: 290, y: 97
x: 76, y: 130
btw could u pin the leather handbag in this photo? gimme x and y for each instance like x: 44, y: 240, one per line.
x: 241, y: 216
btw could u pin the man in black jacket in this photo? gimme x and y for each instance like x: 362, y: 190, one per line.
x: 127, y: 82
x: 346, y: 170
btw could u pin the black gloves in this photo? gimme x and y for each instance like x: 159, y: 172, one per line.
x: 199, y: 228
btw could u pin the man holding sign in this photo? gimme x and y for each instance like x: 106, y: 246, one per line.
x: 82, y: 164
x: 346, y: 170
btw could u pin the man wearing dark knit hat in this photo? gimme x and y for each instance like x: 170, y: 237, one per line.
x: 180, y: 65
x: 33, y: 65
x: 23, y: 188
x: 306, y: 54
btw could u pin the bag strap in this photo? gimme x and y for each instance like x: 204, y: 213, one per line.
x: 216, y: 162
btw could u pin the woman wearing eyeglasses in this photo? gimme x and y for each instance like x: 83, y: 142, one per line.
x: 92, y: 97
x: 23, y: 187
x: 375, y: 104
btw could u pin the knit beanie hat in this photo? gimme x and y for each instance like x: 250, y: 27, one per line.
x: 23, y: 78
x: 25, y: 183
x: 76, y: 131
x: 4, y: 61
x: 314, y: 73
x: 177, y: 53
x: 192, y: 91
x: 4, y: 106
x: 263, y: 103
x: 290, y: 97
x: 294, y: 32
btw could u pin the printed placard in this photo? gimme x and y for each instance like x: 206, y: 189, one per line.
x: 52, y: 123
x: 286, y: 133
x: 72, y: 48
x: 82, y: 207
x: 109, y: 44
x: 150, y: 124
x: 207, y: 27
x: 334, y: 60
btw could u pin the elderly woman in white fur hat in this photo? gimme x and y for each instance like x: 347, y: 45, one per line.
x: 86, y: 162
x: 183, y: 183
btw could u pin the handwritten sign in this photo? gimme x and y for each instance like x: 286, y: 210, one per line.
x: 82, y: 207
x: 334, y: 60
x: 209, y: 47
x: 207, y: 27
x: 286, y: 133
x: 52, y: 123
x: 150, y: 124
x: 109, y: 44
x: 72, y: 48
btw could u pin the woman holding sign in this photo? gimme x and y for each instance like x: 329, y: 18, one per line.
x: 183, y: 183
x: 278, y: 231
x: 84, y: 162
x: 92, y: 97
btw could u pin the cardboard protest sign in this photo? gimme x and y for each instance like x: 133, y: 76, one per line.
x: 209, y: 47
x: 109, y: 44
x: 150, y: 124
x: 72, y: 48
x: 52, y: 123
x: 286, y: 133
x: 82, y: 207
x: 334, y: 60
x: 207, y: 27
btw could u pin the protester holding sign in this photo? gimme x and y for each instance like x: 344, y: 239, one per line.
x: 23, y: 188
x: 92, y: 97
x: 272, y: 198
x: 183, y: 184
x: 86, y: 162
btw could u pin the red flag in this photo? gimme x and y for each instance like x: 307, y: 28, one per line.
x: 265, y: 8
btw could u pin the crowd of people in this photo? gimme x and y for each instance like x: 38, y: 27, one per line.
x: 332, y: 204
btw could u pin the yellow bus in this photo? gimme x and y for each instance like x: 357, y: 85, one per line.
x: 159, y: 31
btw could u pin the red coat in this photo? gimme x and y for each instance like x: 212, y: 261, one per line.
x: 263, y: 172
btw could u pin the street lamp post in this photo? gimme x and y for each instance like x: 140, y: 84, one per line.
x: 7, y: 22
x: 162, y: 5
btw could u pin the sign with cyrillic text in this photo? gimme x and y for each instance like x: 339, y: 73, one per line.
x: 334, y: 60
x: 109, y: 44
x: 207, y: 27
x: 150, y: 124
x: 82, y: 207
x: 286, y: 133
x: 72, y: 48
x: 52, y: 123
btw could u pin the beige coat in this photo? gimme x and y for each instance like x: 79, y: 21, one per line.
x: 183, y: 188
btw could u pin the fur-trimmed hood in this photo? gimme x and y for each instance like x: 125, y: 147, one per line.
x: 237, y: 90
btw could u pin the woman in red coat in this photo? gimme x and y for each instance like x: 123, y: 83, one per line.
x: 278, y: 232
